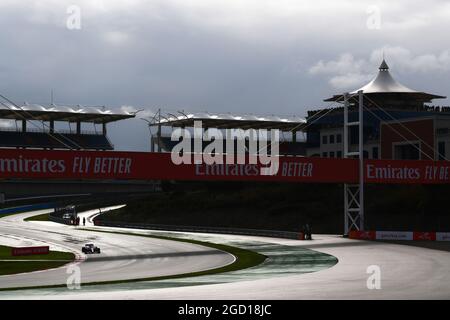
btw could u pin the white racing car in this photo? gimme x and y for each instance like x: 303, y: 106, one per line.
x: 90, y: 248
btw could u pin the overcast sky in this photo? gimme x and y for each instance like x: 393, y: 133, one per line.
x: 264, y: 57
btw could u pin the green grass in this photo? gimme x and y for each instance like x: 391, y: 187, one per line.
x: 31, y: 263
x: 40, y: 217
x: 244, y: 259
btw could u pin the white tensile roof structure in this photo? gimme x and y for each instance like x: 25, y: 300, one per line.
x: 228, y: 121
x: 385, y: 84
x: 61, y: 113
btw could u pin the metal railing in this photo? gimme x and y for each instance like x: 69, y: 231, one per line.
x: 60, y: 131
x: 237, y: 231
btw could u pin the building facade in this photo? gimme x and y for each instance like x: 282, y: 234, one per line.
x: 398, y: 123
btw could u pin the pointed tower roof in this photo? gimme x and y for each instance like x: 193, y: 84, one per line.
x: 383, y: 66
x: 385, y: 84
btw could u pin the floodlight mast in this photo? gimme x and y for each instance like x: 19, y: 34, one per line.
x: 354, y: 193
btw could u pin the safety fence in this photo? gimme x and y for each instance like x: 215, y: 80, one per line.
x: 237, y: 231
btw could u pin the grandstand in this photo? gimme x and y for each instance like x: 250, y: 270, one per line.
x: 33, y: 126
x: 289, y: 127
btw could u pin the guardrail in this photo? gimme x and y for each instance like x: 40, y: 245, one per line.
x: 25, y: 208
x: 239, y: 231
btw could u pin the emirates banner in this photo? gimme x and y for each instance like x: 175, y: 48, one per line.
x: 80, y: 165
x: 407, y: 171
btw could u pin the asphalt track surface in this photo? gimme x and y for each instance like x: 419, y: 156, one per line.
x: 407, y: 272
x: 123, y: 257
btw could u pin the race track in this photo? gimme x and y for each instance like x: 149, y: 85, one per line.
x: 123, y: 257
x: 407, y: 272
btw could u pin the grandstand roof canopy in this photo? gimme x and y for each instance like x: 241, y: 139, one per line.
x: 385, y: 84
x: 231, y: 121
x: 61, y: 113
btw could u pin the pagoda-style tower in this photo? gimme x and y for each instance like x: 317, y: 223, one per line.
x: 388, y: 93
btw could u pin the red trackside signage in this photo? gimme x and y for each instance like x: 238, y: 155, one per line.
x: 399, y: 235
x: 362, y: 235
x: 27, y: 251
x: 81, y: 165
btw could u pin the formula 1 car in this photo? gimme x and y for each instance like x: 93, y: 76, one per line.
x: 90, y: 248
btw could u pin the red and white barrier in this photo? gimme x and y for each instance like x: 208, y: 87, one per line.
x: 26, y: 251
x: 362, y: 235
x: 400, y: 235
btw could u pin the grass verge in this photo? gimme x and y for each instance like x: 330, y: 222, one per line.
x: 31, y: 263
x: 244, y: 259
x: 39, y: 217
